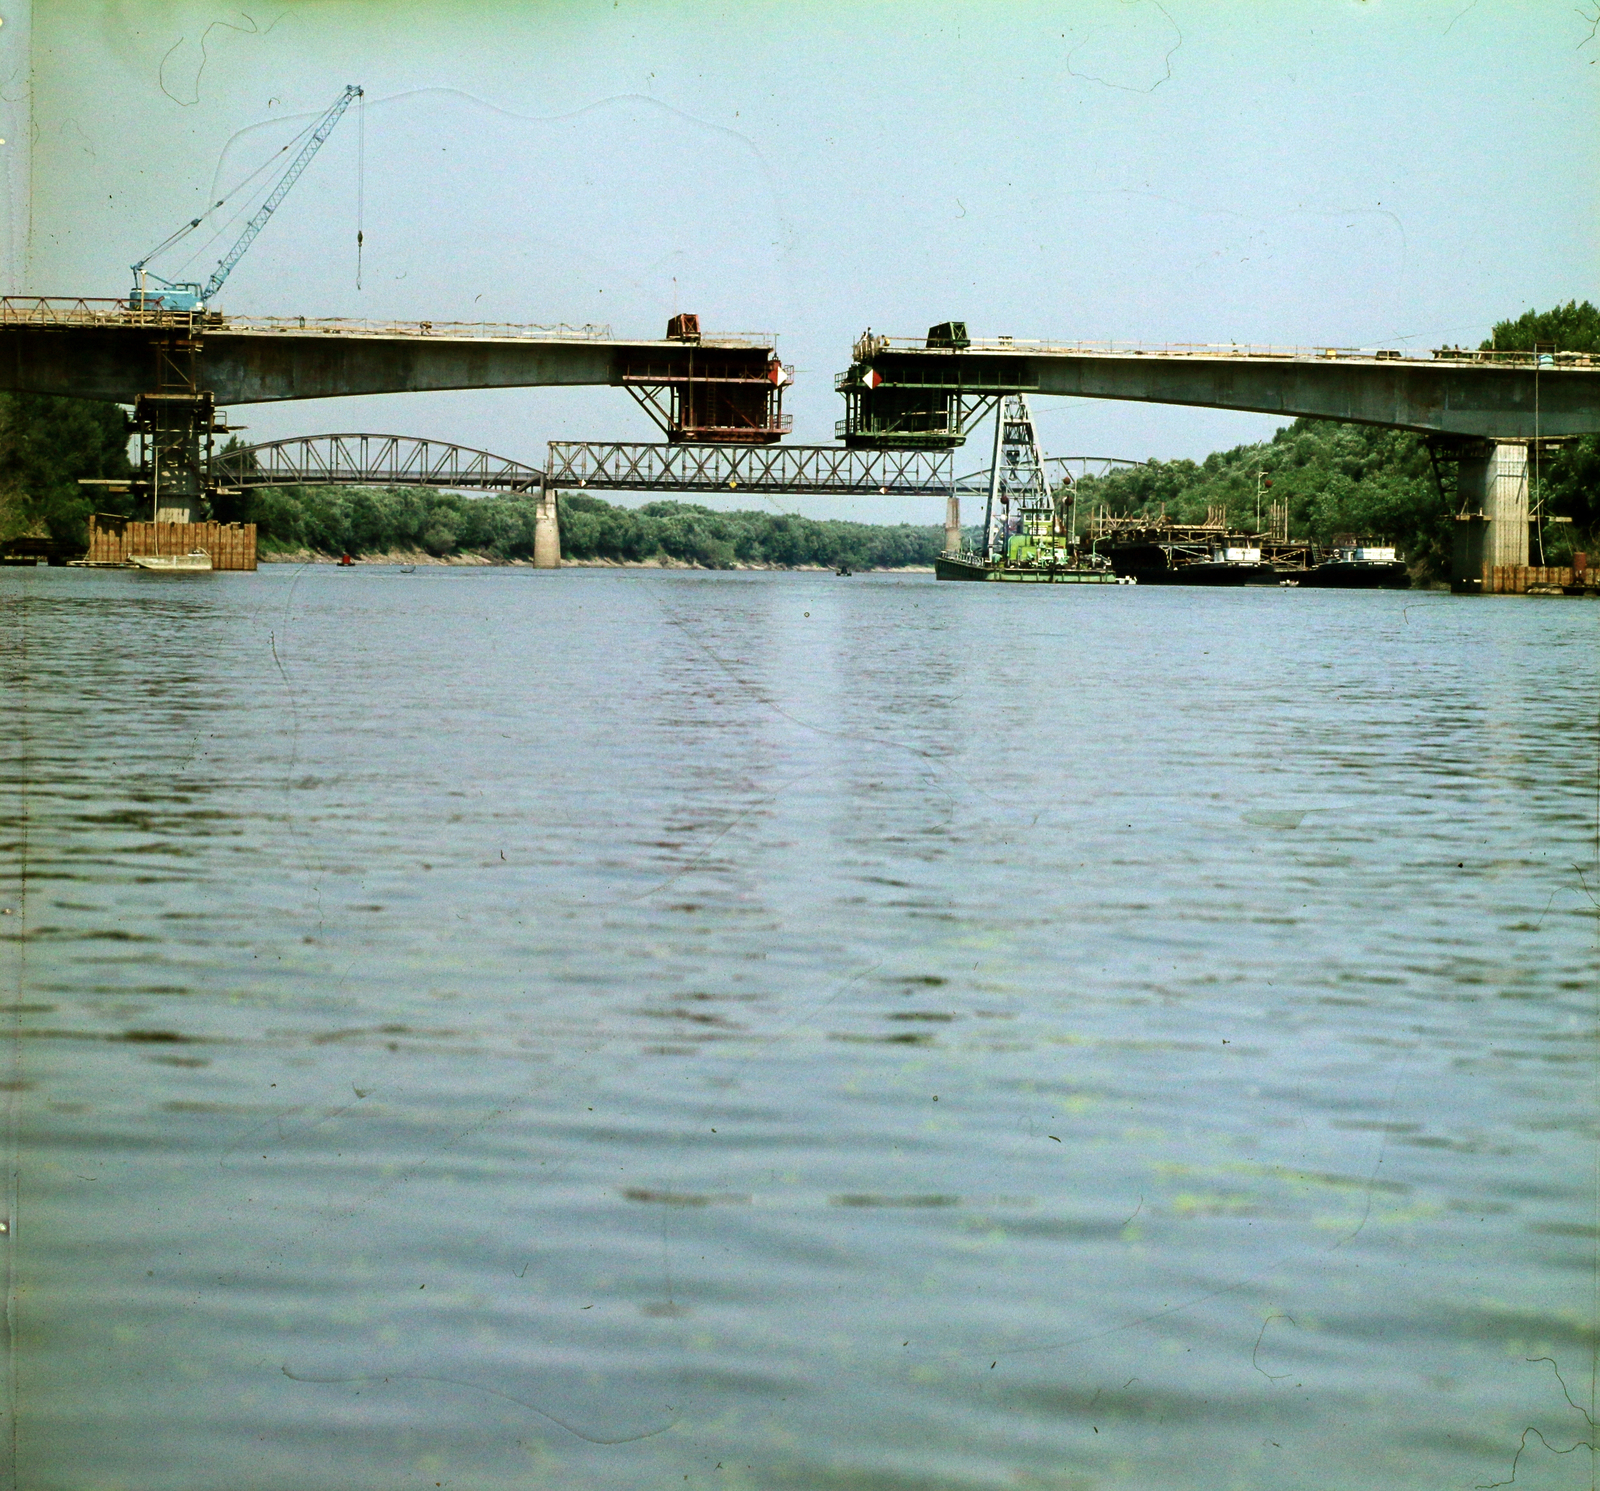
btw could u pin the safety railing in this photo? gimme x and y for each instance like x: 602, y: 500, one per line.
x: 871, y: 346
x: 80, y: 310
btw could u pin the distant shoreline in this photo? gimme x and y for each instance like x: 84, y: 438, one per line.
x: 483, y: 561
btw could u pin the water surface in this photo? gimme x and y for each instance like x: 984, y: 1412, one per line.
x: 626, y: 1029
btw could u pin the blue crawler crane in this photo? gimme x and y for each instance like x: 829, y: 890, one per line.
x: 153, y: 293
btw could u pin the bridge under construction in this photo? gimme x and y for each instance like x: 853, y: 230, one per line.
x: 179, y: 362
x: 718, y: 400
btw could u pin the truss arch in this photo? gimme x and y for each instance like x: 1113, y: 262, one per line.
x: 358, y: 460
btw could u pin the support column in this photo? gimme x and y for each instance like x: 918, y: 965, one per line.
x: 175, y: 424
x: 546, y: 532
x: 952, y: 524
x: 1496, y: 485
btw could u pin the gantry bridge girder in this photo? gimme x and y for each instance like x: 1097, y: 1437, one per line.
x: 102, y: 349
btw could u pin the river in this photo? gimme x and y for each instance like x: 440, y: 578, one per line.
x: 630, y: 1029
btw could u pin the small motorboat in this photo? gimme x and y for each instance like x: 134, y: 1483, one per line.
x: 195, y: 560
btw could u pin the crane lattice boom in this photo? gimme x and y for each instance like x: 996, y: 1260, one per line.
x: 189, y: 296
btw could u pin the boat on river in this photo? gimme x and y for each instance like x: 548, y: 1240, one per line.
x: 1175, y: 563
x: 195, y: 561
x: 1358, y: 567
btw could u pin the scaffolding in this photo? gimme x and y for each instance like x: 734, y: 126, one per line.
x: 725, y: 396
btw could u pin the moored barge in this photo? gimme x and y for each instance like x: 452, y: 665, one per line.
x: 1068, y: 571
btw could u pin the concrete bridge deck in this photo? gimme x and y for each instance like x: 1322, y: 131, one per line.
x: 100, y: 350
x: 1451, y: 392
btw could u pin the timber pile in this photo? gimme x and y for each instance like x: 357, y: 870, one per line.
x: 112, y: 540
x: 1519, y: 579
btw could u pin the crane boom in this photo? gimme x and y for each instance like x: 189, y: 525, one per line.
x: 190, y: 296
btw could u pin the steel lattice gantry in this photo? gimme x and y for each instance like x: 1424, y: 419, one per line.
x: 372, y: 460
x: 642, y: 467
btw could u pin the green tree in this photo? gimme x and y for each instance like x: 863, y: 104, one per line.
x: 1569, y: 481
x: 46, y: 444
x: 1569, y: 328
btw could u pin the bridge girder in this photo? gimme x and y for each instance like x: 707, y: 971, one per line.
x: 99, y: 356
x: 1442, y: 396
x: 630, y: 466
x: 95, y: 354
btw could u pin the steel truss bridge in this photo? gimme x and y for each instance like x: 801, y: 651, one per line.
x: 371, y: 461
x: 625, y: 466
x: 628, y: 466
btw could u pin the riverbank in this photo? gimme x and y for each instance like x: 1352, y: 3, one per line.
x: 411, y: 526
x: 466, y: 560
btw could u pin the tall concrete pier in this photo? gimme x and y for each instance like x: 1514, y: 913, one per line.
x: 1493, y: 482
x: 546, y: 532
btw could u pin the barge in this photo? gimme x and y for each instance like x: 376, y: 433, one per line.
x: 1358, y: 567
x: 1069, y: 570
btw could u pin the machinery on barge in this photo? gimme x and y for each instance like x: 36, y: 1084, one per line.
x: 1029, y: 530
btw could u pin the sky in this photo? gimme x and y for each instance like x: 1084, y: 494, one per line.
x: 1312, y: 172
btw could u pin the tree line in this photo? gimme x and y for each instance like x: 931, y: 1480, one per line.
x: 1367, y: 481
x: 364, y: 520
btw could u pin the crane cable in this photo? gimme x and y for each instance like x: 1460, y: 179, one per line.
x: 361, y: 178
x: 266, y: 165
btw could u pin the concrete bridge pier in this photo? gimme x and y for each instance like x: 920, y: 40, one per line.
x: 1496, y: 485
x: 1492, y: 513
x: 546, y: 532
x: 952, y: 525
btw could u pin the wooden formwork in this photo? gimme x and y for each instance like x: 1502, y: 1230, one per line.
x: 1518, y: 579
x: 112, y: 540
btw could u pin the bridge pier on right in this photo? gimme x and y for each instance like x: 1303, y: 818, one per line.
x: 546, y: 531
x: 1492, y: 513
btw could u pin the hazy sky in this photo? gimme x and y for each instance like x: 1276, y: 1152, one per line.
x: 1349, y: 172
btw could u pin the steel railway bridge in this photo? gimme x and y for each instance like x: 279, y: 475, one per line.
x: 626, y: 466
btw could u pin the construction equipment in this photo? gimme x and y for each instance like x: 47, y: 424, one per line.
x: 189, y: 295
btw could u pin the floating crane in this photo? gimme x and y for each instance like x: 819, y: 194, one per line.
x: 188, y: 295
